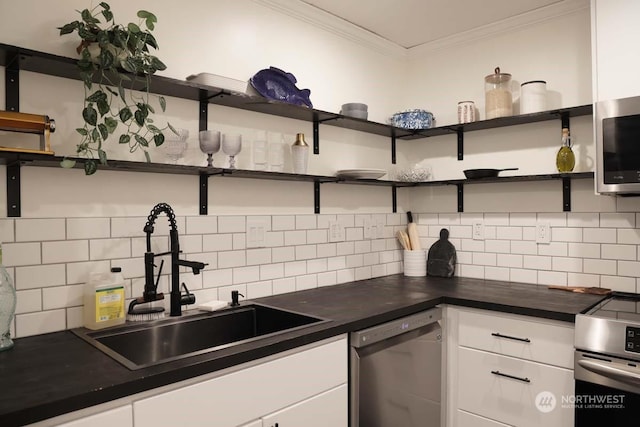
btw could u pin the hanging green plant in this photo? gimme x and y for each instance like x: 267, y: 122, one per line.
x: 116, y: 66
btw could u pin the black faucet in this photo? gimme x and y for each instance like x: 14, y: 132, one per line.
x: 150, y: 288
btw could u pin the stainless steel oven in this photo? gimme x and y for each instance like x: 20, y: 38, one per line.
x: 617, y: 126
x: 395, y: 378
x: 607, y: 364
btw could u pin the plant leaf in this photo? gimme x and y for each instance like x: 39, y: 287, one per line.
x: 90, y: 115
x: 106, y: 58
x: 147, y: 156
x: 95, y: 135
x: 82, y: 131
x: 104, y: 131
x: 157, y: 64
x: 158, y: 139
x: 108, y: 15
x: 105, y: 5
x: 133, y: 28
x: 103, y: 107
x: 141, y: 140
x: 88, y: 18
x: 163, y: 103
x: 102, y: 155
x: 111, y: 124
x: 150, y: 108
x: 97, y: 96
x: 140, y: 116
x: 67, y: 163
x: 125, y: 114
x: 154, y: 129
x: 122, y: 94
x: 172, y: 128
x: 111, y: 91
x: 69, y: 28
x: 85, y: 34
x: 124, y: 139
x: 90, y: 167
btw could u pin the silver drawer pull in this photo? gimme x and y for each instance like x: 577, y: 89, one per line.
x: 524, y: 380
x: 499, y: 335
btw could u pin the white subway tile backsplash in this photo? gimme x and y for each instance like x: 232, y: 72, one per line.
x: 584, y: 250
x: 480, y: 258
x: 473, y: 271
x: 616, y: 283
x: 337, y: 263
x: 582, y: 279
x: 497, y: 246
x: 379, y: 245
x: 467, y: 218
x: 554, y: 219
x: 355, y: 260
x: 490, y: 232
x: 346, y: 275
x: 464, y: 257
x: 395, y: 219
x: 283, y: 222
x: 362, y: 246
x: 271, y: 271
x: 600, y: 266
x: 7, y: 228
x: 217, y: 242
x: 469, y: 245
x: 39, y: 276
x: 258, y: 256
x: 38, y: 230
x: 305, y: 252
x: 109, y: 249
x: 292, y: 238
x: 554, y: 249
x: 363, y: 273
x: 274, y: 238
x: 308, y: 281
x: 567, y: 264
x: 317, y: 265
x: 496, y: 219
x: 529, y: 233
x: 295, y: 268
x: 66, y: 251
x: 524, y: 247
x: 621, y: 252
x: 628, y: 236
x: 232, y: 259
x: 88, y: 228
x: 41, y: 322
x: 232, y: 224
x: 599, y: 235
x: 217, y: 278
x: 159, y: 244
x: 285, y: 253
x: 629, y: 268
x: 536, y: 262
x: 324, y: 220
x: 190, y: 244
x: 378, y: 270
x: 62, y: 297
x: 496, y: 273
x: 347, y: 220
x: 131, y: 227
x: 345, y: 248
x: 371, y: 258
x: 327, y: 278
x: 283, y: 286
x: 422, y: 219
x: 203, y: 224
x: 522, y: 219
x: 28, y: 301
x: 239, y: 241
x: 566, y: 234
x: 449, y: 218
x: 617, y: 220
x: 317, y: 236
x: 585, y: 220
x: 78, y: 272
x: 523, y: 276
x: 512, y: 261
x: 355, y: 233
x: 460, y: 231
x: 509, y: 233
x: 246, y: 274
x: 75, y: 317
x: 259, y: 289
x: 306, y: 222
x: 15, y: 254
x: 555, y: 278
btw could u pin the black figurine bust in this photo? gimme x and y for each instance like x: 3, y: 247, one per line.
x: 441, y: 260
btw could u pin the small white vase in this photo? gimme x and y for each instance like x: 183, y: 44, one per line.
x: 300, y: 154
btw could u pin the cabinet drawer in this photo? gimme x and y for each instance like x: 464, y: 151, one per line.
x: 505, y: 389
x: 518, y: 336
x: 467, y: 419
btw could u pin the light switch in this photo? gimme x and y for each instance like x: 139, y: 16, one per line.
x: 256, y: 234
x: 336, y: 231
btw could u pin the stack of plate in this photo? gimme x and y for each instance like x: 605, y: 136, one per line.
x: 361, y: 173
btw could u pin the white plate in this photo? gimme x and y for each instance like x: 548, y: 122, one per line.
x: 361, y: 173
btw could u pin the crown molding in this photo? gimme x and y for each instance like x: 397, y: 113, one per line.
x: 333, y: 24
x: 536, y: 16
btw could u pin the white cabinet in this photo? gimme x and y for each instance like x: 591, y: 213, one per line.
x: 246, y: 395
x: 327, y: 409
x: 505, y: 369
x: 121, y: 416
x: 614, y: 44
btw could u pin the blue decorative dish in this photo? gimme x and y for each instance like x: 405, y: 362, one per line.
x: 413, y: 119
x: 273, y: 83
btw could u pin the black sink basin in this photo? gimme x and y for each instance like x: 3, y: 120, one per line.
x: 137, y: 345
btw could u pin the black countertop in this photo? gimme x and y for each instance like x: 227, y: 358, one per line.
x: 52, y: 374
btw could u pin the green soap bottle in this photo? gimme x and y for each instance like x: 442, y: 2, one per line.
x: 565, y: 159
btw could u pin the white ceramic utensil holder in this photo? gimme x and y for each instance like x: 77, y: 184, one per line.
x: 415, y: 263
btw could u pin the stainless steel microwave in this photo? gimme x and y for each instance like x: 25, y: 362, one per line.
x: 617, y: 127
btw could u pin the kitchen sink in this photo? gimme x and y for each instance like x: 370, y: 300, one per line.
x: 140, y: 345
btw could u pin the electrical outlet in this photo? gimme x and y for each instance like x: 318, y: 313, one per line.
x: 543, y: 233
x: 256, y: 234
x: 368, y: 228
x: 478, y: 230
x: 336, y: 231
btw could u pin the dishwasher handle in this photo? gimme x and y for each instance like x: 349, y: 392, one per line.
x: 394, y: 328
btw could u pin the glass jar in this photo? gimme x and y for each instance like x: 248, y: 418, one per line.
x: 497, y: 94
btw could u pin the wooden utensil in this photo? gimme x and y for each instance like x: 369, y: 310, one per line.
x: 403, y: 239
x: 582, y: 289
x: 412, y: 231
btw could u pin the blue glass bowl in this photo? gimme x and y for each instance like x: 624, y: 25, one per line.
x: 413, y: 119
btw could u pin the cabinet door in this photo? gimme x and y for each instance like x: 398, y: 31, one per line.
x: 121, y: 417
x: 327, y: 409
x: 467, y: 419
x: 256, y: 423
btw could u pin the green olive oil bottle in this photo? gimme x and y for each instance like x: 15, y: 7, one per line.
x: 565, y: 159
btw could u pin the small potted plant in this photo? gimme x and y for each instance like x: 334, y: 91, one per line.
x: 115, y: 60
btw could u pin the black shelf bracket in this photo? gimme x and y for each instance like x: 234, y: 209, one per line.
x: 203, y: 115
x: 394, y: 199
x: 564, y: 117
x: 12, y: 83
x: 566, y: 194
x: 13, y: 189
x: 460, y: 133
x: 316, y: 136
x: 316, y: 197
x: 460, y: 197
x: 204, y: 194
x: 393, y: 149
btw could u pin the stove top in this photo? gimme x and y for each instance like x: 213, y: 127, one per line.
x: 625, y: 307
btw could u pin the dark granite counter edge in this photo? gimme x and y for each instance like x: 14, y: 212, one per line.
x: 260, y: 349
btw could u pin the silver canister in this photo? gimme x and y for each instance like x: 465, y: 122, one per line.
x: 533, y: 96
x: 466, y: 112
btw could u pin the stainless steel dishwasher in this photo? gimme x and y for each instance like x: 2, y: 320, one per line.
x: 395, y: 373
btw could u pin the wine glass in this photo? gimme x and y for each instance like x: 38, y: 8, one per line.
x: 231, y: 146
x: 209, y: 144
x: 175, y: 145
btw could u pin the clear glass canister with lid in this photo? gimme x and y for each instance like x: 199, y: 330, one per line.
x: 497, y: 94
